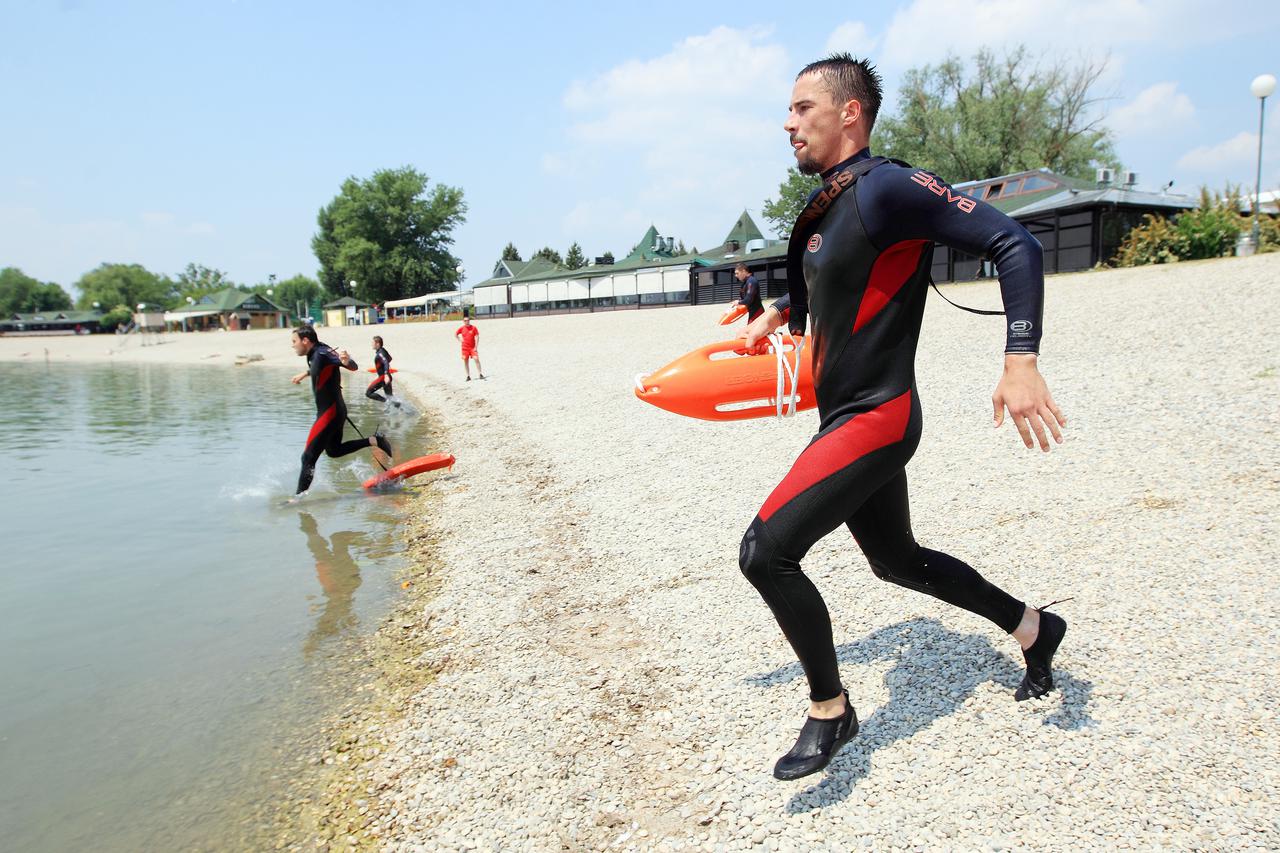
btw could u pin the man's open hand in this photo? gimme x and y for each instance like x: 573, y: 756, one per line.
x: 1023, y: 391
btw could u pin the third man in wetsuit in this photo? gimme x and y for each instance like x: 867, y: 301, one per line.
x: 858, y: 269
x: 382, y: 365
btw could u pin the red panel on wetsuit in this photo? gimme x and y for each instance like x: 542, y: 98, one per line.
x: 325, y: 373
x: 891, y: 270
x: 839, y: 448
x: 323, y: 421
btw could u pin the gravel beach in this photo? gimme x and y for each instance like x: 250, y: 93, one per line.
x: 605, y: 678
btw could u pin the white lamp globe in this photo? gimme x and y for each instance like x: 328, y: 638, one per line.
x: 1263, y: 85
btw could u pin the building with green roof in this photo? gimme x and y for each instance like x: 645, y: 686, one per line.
x: 228, y: 309
x: 652, y: 275
x: 1079, y: 224
x: 50, y: 322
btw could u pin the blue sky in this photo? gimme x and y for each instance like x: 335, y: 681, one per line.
x: 212, y: 132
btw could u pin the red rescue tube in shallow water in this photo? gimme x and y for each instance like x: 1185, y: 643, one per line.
x: 725, y: 382
x: 408, y: 469
x: 389, y: 370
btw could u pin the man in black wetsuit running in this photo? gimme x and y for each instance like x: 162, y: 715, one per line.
x: 858, y: 267
x: 382, y: 364
x: 331, y: 409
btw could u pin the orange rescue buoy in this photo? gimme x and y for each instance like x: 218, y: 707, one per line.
x: 408, y: 469
x: 389, y: 370
x: 725, y: 382
x: 733, y: 314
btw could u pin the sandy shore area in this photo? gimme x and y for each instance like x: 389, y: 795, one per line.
x: 605, y: 677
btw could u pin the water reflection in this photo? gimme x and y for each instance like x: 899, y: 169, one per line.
x: 339, y: 577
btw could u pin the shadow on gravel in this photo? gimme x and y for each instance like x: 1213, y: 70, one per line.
x: 934, y: 671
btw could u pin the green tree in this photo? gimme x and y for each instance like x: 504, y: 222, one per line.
x: 288, y: 293
x: 607, y: 257
x: 574, y: 259
x: 1004, y: 115
x: 127, y: 285
x: 783, y: 211
x: 391, y: 235
x: 680, y: 249
x: 549, y: 254
x: 511, y: 253
x: 20, y: 292
x: 197, y: 280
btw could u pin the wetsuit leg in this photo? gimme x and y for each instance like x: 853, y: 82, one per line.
x: 317, y: 439
x: 882, y: 527
x: 326, y: 437
x: 336, y: 447
x: 846, y: 463
x: 372, y: 391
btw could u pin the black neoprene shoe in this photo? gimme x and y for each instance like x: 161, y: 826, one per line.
x: 383, y: 444
x: 1039, y: 676
x: 818, y: 743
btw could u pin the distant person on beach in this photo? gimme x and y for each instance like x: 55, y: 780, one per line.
x: 748, y: 292
x: 382, y: 364
x: 323, y: 362
x: 858, y: 267
x: 469, y: 334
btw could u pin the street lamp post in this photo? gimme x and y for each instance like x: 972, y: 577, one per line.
x: 1262, y: 87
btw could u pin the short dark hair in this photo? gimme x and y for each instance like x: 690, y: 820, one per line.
x: 307, y: 333
x: 850, y: 79
x: 741, y: 267
x: 378, y: 338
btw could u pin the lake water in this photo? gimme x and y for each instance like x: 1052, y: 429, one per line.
x: 172, y: 635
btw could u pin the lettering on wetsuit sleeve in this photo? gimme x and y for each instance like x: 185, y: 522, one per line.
x: 900, y: 204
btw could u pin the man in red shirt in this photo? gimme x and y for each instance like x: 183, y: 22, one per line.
x: 469, y: 334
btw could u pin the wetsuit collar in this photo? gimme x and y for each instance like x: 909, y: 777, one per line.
x: 864, y: 154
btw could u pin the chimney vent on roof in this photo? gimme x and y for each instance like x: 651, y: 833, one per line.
x: 1106, y: 177
x: 1130, y: 179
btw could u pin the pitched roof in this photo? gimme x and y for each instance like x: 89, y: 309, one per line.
x: 227, y: 300
x: 55, y: 316
x: 348, y: 301
x: 743, y: 231
x: 517, y: 270
x: 1072, y: 198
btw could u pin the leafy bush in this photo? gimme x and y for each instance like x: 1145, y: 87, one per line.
x: 117, y: 315
x: 1156, y: 241
x: 1268, y: 233
x: 1209, y: 231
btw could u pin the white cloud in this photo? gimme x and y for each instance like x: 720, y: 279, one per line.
x: 1238, y: 155
x: 853, y: 37
x: 1156, y: 109
x: 926, y: 31
x: 1239, y: 150
x: 157, y: 218
x: 684, y: 140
